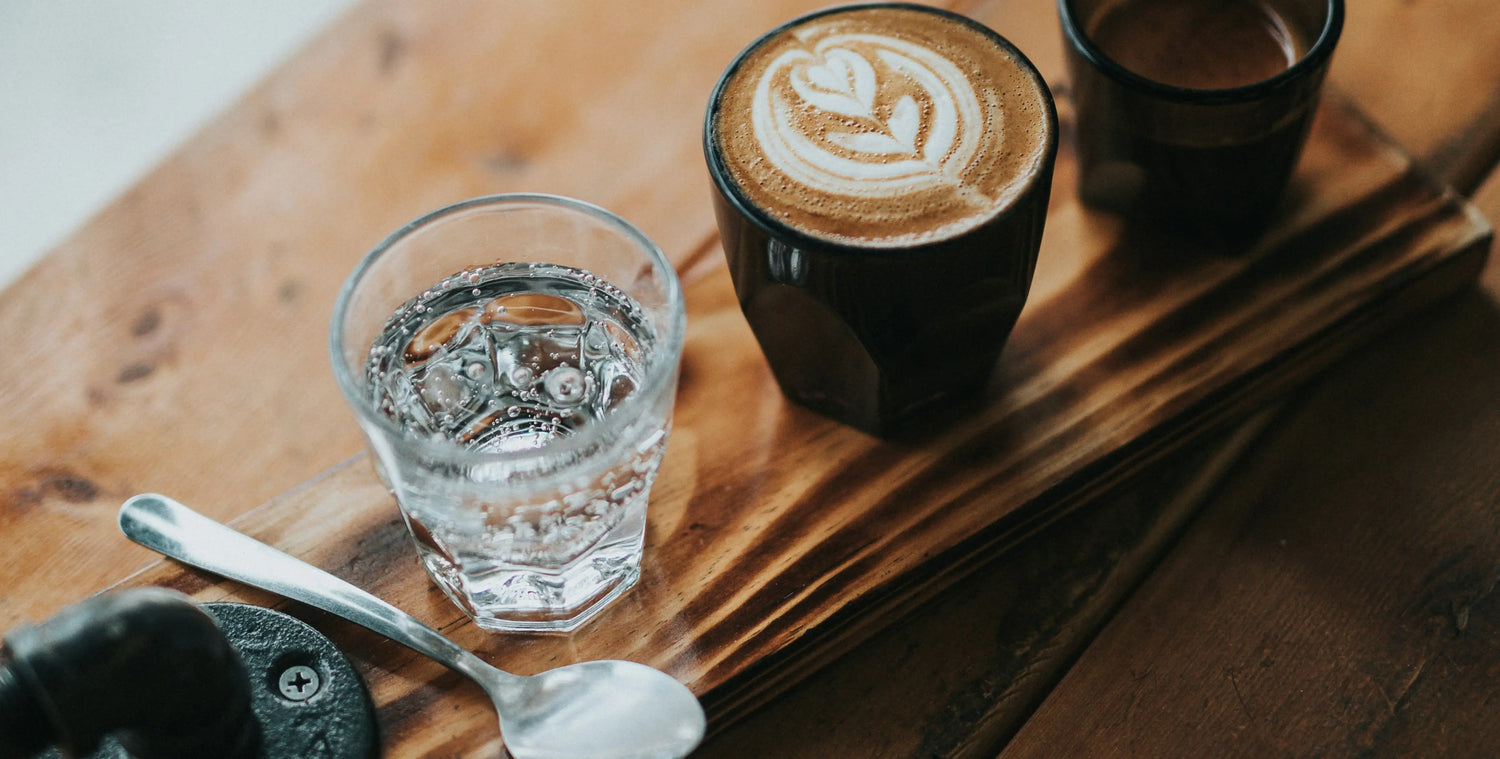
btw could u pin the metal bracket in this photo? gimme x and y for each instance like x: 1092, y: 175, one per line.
x: 307, y: 696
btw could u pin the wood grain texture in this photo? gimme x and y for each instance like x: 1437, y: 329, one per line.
x: 194, y: 308
x: 211, y: 279
x: 1427, y: 71
x: 1265, y: 665
x: 398, y: 109
x: 1338, y: 598
x: 959, y: 676
x: 956, y: 676
x: 778, y: 539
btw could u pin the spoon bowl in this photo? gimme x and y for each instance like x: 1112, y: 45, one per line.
x: 607, y: 709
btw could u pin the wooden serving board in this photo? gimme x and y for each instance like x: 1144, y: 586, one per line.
x: 779, y: 539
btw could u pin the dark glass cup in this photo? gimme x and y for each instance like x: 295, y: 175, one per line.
x: 882, y: 338
x: 1209, y: 159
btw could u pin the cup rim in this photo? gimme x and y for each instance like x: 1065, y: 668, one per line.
x: 1317, y: 54
x: 718, y: 169
x: 670, y: 338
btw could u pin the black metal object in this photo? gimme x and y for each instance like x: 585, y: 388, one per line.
x: 147, y: 674
x: 146, y: 665
x: 307, y: 696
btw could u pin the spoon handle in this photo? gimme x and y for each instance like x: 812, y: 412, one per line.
x: 166, y: 526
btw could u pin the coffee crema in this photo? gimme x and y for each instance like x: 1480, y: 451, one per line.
x: 1197, y: 45
x: 881, y: 126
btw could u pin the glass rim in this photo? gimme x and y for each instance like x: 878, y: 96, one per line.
x: 729, y: 188
x: 1317, y: 54
x: 670, y: 338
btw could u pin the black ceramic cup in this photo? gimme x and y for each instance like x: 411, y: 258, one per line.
x: 1179, y: 120
x: 875, y: 325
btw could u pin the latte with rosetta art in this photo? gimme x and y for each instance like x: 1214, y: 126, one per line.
x: 883, y: 126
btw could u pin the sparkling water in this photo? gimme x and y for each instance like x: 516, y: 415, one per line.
x: 511, y: 359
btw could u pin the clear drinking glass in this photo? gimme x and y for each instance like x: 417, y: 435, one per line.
x: 512, y: 361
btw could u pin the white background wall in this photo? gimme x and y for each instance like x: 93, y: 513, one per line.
x: 95, y: 92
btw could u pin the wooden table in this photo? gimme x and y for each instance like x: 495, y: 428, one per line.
x: 1313, y: 578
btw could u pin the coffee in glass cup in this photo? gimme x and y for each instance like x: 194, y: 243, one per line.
x: 1192, y: 115
x: 882, y: 176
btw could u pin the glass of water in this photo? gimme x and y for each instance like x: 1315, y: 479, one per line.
x: 512, y: 361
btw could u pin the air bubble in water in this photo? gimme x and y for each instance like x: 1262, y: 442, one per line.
x: 596, y: 341
x: 508, y: 370
x: 565, y: 385
x: 442, y: 390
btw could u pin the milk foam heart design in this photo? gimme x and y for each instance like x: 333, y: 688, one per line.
x: 901, y: 136
x: 868, y: 115
x: 844, y: 84
x: 880, y: 125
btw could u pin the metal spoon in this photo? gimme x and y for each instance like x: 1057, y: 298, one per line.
x: 589, y: 710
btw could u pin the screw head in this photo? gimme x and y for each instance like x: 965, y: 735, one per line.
x: 298, y: 683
